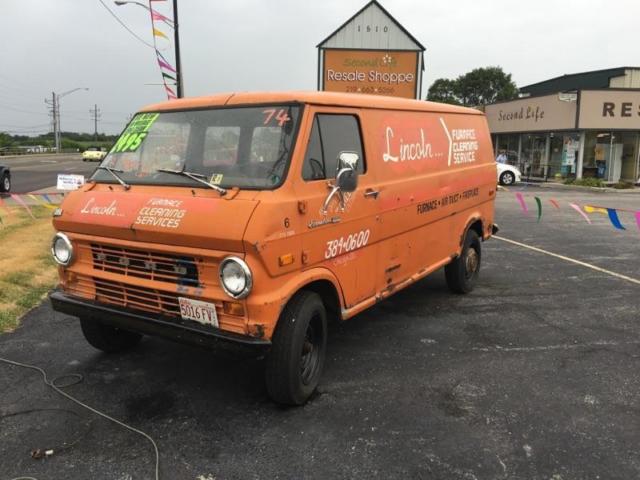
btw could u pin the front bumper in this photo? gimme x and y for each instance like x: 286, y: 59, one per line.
x: 176, y: 329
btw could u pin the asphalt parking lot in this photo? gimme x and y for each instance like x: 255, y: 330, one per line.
x: 532, y: 376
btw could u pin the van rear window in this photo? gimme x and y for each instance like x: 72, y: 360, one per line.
x: 246, y: 147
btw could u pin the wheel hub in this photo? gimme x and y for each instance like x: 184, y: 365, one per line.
x: 310, y: 354
x: 471, y: 262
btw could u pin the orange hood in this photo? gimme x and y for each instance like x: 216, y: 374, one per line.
x: 168, y: 215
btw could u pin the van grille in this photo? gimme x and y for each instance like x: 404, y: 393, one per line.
x: 163, y: 267
x: 139, y: 298
x: 136, y: 297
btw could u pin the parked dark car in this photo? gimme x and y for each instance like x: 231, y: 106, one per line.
x: 5, y: 179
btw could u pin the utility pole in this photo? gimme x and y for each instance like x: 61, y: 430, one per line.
x: 95, y: 115
x: 176, y: 37
x: 55, y: 123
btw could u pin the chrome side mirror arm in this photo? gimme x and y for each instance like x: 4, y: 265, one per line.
x: 335, y: 190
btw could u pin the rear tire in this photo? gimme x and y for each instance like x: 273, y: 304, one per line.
x: 5, y: 184
x: 107, y: 338
x: 507, y: 178
x: 298, y: 350
x: 462, y: 273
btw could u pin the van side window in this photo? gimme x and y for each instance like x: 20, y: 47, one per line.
x: 330, y: 135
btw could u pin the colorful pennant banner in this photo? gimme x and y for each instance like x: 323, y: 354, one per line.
x: 165, y: 66
x: 611, y: 213
x: 40, y: 199
x: 523, y: 204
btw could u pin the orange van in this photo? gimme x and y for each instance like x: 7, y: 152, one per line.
x: 255, y: 218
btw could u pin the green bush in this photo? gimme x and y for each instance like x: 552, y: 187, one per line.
x: 585, y: 182
x: 622, y: 185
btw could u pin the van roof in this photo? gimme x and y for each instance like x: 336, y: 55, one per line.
x: 317, y: 98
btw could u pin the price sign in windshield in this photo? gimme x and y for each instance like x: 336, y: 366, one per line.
x: 137, y: 130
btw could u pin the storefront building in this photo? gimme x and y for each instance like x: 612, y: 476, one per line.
x: 581, y: 125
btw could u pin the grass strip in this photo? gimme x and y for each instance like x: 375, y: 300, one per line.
x: 27, y: 271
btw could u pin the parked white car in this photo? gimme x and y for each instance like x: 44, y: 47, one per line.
x: 508, y: 174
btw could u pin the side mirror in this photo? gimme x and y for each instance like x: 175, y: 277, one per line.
x: 347, y: 180
x: 348, y: 160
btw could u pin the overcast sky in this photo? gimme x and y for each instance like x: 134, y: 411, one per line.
x: 57, y: 45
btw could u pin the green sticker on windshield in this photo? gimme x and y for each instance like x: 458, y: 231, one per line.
x: 137, y: 130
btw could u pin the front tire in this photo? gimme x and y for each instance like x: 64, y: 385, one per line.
x: 462, y: 273
x: 5, y: 185
x: 107, y: 338
x: 298, y: 350
x: 507, y: 178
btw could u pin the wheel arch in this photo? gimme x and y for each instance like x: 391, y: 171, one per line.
x: 475, y: 223
x: 329, y: 295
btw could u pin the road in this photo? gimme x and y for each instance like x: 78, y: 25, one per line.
x: 36, y: 172
x: 534, y: 375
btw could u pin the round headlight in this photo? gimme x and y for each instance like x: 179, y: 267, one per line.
x: 61, y: 249
x: 235, y: 277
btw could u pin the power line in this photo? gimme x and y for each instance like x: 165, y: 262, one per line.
x: 124, y: 25
x: 9, y: 107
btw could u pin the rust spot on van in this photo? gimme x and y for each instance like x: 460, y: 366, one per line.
x: 257, y: 330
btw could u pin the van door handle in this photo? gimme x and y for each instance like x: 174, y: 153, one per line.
x: 370, y: 192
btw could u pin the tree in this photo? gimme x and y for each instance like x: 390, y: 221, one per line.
x: 480, y: 86
x: 444, y: 90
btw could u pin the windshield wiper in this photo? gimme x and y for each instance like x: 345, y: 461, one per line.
x: 113, y: 171
x: 198, y: 177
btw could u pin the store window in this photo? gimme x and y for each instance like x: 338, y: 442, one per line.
x: 628, y: 142
x: 509, y: 145
x: 564, y: 155
x: 533, y: 158
x: 602, y: 159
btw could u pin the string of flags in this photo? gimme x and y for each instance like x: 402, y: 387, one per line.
x: 50, y: 201
x: 167, y: 71
x: 611, y: 213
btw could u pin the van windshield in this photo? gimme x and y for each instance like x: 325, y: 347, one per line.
x: 245, y: 147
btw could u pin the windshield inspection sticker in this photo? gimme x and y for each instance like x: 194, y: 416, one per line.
x: 216, y: 178
x: 137, y: 130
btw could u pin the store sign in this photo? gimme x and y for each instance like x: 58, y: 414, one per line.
x: 391, y: 73
x: 610, y: 109
x: 531, y: 115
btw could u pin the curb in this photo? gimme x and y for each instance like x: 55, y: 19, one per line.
x: 31, y: 155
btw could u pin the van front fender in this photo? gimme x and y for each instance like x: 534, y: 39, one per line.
x: 264, y: 308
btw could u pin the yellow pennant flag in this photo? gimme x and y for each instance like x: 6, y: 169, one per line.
x: 40, y: 201
x: 590, y: 209
x: 158, y: 33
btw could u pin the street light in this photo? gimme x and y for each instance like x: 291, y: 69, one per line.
x: 56, y: 112
x: 176, y: 38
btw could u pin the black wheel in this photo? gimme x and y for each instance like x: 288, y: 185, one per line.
x: 107, y: 338
x: 507, y: 178
x: 5, y: 186
x: 299, y: 344
x: 462, y: 273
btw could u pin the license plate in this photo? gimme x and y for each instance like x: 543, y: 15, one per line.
x: 201, y: 312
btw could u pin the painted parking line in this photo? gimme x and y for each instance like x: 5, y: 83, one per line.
x: 571, y: 260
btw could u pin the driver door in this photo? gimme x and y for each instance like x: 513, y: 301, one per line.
x: 343, y: 236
